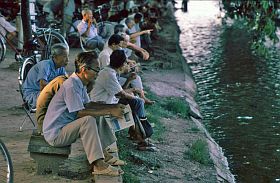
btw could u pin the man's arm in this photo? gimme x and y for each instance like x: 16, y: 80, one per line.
x: 144, y: 53
x: 43, y: 83
x: 98, y: 109
x: 131, y: 77
x: 134, y: 35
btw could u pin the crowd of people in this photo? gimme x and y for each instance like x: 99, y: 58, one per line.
x: 104, y: 82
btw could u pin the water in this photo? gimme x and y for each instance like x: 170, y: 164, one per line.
x: 239, y: 93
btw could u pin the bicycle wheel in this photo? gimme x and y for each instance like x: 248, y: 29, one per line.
x: 46, y: 39
x: 6, y: 166
x: 2, y: 50
x: 23, y: 70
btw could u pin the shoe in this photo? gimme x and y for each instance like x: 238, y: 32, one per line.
x: 112, y: 149
x: 147, y: 148
x: 115, y: 162
x: 109, y: 171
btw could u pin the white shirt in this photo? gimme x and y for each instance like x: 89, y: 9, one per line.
x: 5, y: 26
x: 106, y: 87
x: 82, y: 28
x: 104, y: 57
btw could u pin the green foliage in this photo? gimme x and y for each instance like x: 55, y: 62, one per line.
x: 199, y: 152
x: 260, y: 17
x: 125, y: 154
x: 177, y: 106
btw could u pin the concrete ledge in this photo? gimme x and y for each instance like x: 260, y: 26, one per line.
x: 47, y: 158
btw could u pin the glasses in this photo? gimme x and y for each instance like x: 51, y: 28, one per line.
x: 95, y: 70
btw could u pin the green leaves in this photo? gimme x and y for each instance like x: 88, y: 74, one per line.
x: 265, y: 4
x: 260, y: 17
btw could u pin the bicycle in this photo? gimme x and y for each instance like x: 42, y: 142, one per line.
x: 42, y: 41
x: 45, y: 38
x: 105, y: 28
x: 6, y: 164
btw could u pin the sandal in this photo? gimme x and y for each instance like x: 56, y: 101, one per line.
x: 112, y: 149
x: 147, y: 148
x: 116, y: 162
x: 145, y: 144
x: 109, y: 171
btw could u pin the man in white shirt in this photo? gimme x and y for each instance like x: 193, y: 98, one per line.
x: 89, y: 31
x: 6, y: 28
x: 108, y: 89
x: 116, y: 42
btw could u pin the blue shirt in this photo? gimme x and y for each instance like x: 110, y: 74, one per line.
x: 64, y: 107
x: 44, y: 70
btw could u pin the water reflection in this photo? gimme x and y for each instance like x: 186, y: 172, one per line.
x: 238, y: 92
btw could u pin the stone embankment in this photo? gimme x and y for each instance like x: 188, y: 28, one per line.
x: 167, y: 83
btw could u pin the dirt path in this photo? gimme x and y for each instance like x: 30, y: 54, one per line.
x: 164, y: 76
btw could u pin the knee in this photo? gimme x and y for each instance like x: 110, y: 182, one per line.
x: 88, y: 120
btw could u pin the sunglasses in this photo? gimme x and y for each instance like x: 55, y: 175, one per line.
x: 95, y: 70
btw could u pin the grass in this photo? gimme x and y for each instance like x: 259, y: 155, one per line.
x: 199, y: 152
x: 177, y: 106
x: 125, y: 154
x: 195, y: 130
x: 163, y: 108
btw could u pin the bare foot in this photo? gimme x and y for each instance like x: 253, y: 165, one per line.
x: 149, y: 102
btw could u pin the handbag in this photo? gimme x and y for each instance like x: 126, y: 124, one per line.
x: 143, y: 127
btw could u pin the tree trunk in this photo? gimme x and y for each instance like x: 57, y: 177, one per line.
x: 26, y: 23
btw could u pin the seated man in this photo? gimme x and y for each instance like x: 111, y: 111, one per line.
x: 44, y: 99
x: 89, y: 31
x: 107, y: 87
x: 7, y: 29
x: 70, y: 116
x: 120, y: 29
x: 43, y: 72
x: 133, y: 29
x: 116, y: 42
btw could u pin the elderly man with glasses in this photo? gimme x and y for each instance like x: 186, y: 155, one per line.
x: 71, y: 115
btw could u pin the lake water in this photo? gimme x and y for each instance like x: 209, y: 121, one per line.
x: 238, y: 93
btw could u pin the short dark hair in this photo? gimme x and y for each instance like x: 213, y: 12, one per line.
x: 119, y: 28
x: 138, y: 16
x: 115, y: 39
x: 117, y: 59
x: 85, y: 59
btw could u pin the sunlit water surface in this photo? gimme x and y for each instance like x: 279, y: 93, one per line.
x: 239, y: 93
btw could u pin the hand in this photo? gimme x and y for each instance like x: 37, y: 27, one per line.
x: 117, y: 110
x: 148, y: 31
x: 94, y: 21
x: 145, y: 54
x: 132, y: 76
x: 137, y: 91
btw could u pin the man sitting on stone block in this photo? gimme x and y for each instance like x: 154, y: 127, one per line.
x: 70, y: 116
